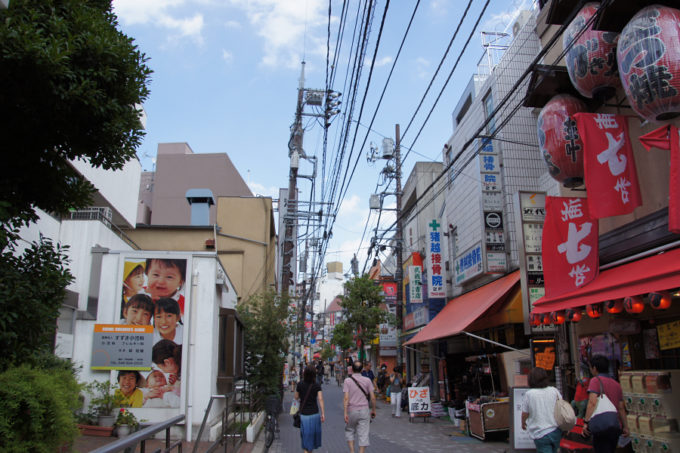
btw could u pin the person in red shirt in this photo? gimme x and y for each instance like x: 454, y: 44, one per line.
x: 580, y: 401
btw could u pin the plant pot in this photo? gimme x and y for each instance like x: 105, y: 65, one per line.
x: 123, y: 430
x: 93, y: 430
x: 106, y: 420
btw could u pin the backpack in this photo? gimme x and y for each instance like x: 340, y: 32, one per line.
x: 564, y: 415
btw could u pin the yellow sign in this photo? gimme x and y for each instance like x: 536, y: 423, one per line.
x: 669, y: 335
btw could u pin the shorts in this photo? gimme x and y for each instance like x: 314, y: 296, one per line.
x: 359, y: 425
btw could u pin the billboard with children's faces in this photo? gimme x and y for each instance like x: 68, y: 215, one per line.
x: 153, y: 294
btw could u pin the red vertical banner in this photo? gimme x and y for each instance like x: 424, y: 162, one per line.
x: 609, y: 166
x: 570, y: 245
x: 667, y: 137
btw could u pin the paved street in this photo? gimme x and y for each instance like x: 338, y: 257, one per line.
x: 388, y: 435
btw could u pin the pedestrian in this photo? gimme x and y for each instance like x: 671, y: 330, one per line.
x: 538, y: 412
x: 395, y: 391
x: 381, y: 380
x: 368, y: 372
x: 312, y: 412
x: 332, y: 368
x: 580, y: 401
x: 605, y: 441
x: 358, y: 392
x: 319, y: 372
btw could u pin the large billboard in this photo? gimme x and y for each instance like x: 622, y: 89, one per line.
x: 146, y: 348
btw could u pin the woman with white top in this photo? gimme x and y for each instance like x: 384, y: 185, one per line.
x: 538, y: 412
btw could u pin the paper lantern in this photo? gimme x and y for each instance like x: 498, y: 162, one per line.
x: 648, y: 56
x: 559, y: 139
x: 591, y: 58
x: 535, y: 320
x: 594, y: 310
x: 614, y: 306
x: 545, y: 319
x: 660, y: 300
x: 557, y: 317
x: 634, y: 304
x: 573, y: 315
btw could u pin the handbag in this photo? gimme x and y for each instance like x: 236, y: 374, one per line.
x: 605, y: 416
x: 296, y: 416
x: 565, y: 417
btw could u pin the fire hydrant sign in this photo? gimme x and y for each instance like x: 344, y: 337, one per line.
x: 122, y: 347
x: 418, y: 400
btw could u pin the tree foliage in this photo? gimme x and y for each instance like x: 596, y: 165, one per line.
x: 32, y: 289
x: 361, y: 304
x: 69, y: 84
x: 266, y: 340
x: 343, y: 337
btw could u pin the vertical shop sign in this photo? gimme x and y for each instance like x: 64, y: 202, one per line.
x: 436, y: 287
x: 569, y: 246
x: 415, y: 276
x: 492, y: 208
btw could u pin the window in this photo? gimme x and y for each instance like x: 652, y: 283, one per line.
x: 488, y: 110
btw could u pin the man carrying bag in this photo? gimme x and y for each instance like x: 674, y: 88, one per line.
x: 606, y: 414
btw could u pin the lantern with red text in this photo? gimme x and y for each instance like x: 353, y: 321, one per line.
x: 573, y: 315
x: 594, y: 310
x: 535, y: 320
x: 557, y: 317
x: 660, y: 300
x: 634, y: 304
x: 648, y: 56
x: 614, y: 306
x: 559, y: 139
x: 545, y: 319
x: 591, y: 56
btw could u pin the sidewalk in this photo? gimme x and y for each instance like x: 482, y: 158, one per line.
x: 388, y: 434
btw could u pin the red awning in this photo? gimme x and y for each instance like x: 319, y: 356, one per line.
x: 463, y: 310
x: 655, y: 273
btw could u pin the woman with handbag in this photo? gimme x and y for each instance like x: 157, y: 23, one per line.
x: 606, y: 414
x: 310, y: 416
x: 538, y: 412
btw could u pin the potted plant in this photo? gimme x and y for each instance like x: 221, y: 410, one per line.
x: 126, y: 422
x: 104, y: 401
x: 87, y: 425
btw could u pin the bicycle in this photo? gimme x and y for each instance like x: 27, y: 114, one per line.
x: 271, y: 424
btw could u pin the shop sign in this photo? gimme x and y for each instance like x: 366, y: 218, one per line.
x: 533, y: 235
x: 495, y: 240
x: 650, y: 340
x: 490, y: 182
x: 534, y: 263
x: 122, y: 347
x: 532, y: 206
x: 669, y: 335
x: 420, y: 316
x: 535, y: 279
x: 469, y: 264
x: 493, y: 220
x: 495, y: 262
x: 488, y: 163
x: 436, y: 285
x: 492, y: 200
x: 388, y: 332
x: 409, y: 321
x: 390, y: 292
x: 543, y: 354
x: 418, y: 400
x: 415, y: 276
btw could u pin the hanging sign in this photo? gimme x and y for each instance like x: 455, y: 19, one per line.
x: 415, y: 275
x: 436, y: 287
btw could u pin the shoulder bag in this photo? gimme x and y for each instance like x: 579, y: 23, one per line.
x: 296, y: 416
x: 368, y: 398
x: 605, y: 416
x: 565, y: 417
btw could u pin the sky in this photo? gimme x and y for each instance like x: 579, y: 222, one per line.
x: 226, y: 74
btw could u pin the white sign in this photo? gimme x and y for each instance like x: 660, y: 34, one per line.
x: 415, y: 277
x: 469, y: 264
x: 436, y: 283
x: 532, y: 206
x: 418, y: 400
x: 388, y: 332
x: 490, y: 182
x: 533, y: 237
x: 495, y: 262
x: 488, y: 163
x: 492, y: 200
x: 520, y: 437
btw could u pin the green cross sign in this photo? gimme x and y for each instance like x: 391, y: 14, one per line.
x: 434, y: 225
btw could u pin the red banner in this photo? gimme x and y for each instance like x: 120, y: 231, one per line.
x: 666, y: 137
x: 609, y: 166
x: 570, y: 241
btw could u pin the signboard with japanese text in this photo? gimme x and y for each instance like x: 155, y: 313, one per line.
x: 669, y: 335
x: 533, y: 235
x: 415, y: 276
x: 418, y: 400
x: 490, y: 182
x: 496, y: 262
x: 488, y: 163
x: 436, y: 284
x: 570, y: 245
x: 609, y: 166
x: 116, y: 347
x: 492, y: 200
x: 521, y: 440
x: 494, y: 258
x: 389, y: 292
x: 469, y: 264
x: 388, y: 332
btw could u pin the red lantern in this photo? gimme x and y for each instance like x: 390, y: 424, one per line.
x: 614, y: 306
x: 634, y: 304
x: 648, y: 56
x: 557, y: 317
x: 591, y: 58
x: 559, y: 139
x: 573, y: 315
x: 545, y: 319
x: 594, y: 310
x: 535, y: 320
x: 660, y: 300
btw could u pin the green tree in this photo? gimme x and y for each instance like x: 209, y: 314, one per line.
x: 343, y: 337
x: 69, y: 84
x: 266, y: 340
x: 361, y: 304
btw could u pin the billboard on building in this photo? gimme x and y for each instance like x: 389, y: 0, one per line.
x: 435, y: 278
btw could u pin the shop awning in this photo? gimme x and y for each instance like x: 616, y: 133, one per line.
x: 464, y: 310
x: 655, y: 273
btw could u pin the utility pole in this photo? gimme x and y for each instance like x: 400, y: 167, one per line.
x: 398, y: 274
